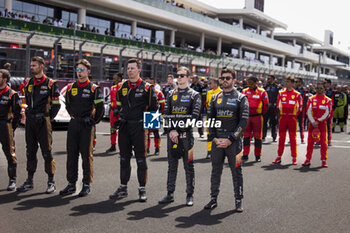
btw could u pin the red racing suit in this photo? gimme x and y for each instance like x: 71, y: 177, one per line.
x: 290, y: 105
x: 258, y: 105
x: 319, y: 109
x: 112, y: 117
x: 161, y: 102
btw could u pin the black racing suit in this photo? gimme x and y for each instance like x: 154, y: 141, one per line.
x: 181, y: 105
x: 330, y: 94
x: 84, y: 103
x: 10, y: 115
x: 271, y: 113
x: 42, y: 98
x: 302, y: 92
x: 199, y: 88
x: 232, y: 109
x: 133, y: 99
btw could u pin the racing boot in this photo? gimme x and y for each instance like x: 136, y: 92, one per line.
x: 51, y: 187
x: 69, y: 189
x: 277, y: 160
x: 294, y: 161
x: 239, y: 207
x: 156, y: 152
x: 26, y: 186
x: 111, y: 149
x: 212, y: 204
x: 324, y: 163
x: 167, y: 199
x: 85, y: 190
x: 142, y: 194
x: 12, y: 185
x: 120, y: 193
x: 306, y: 162
x: 257, y: 158
x: 189, y: 200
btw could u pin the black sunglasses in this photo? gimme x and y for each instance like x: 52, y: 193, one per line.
x: 181, y: 75
x: 228, y: 78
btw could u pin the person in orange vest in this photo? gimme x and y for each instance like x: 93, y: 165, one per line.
x: 289, y: 103
x: 258, y: 105
x: 114, y: 115
x: 318, y: 110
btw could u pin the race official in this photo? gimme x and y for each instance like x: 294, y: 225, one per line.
x: 231, y: 108
x: 318, y: 110
x: 258, y: 105
x: 289, y: 103
x: 10, y: 115
x: 114, y: 114
x: 340, y: 103
x: 84, y: 103
x: 42, y: 98
x: 134, y: 97
x: 182, y: 104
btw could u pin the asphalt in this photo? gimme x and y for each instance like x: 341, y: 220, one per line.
x: 277, y: 198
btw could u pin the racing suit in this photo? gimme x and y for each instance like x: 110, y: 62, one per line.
x: 231, y: 108
x: 290, y: 105
x: 181, y: 105
x: 199, y: 88
x: 113, y: 115
x: 258, y: 102
x: 340, y: 102
x: 271, y: 113
x: 210, y: 94
x: 157, y: 140
x: 42, y: 98
x: 84, y: 103
x: 132, y: 100
x: 10, y: 115
x: 319, y: 108
x: 301, y: 115
x: 330, y: 94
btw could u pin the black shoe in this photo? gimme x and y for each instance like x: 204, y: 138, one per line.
x: 274, y: 139
x: 111, y: 149
x: 333, y: 130
x: 26, y: 186
x: 263, y: 140
x: 211, y: 205
x: 257, y: 158
x: 120, y: 193
x: 341, y: 130
x: 156, y: 152
x: 167, y: 199
x: 208, y: 155
x: 69, y: 189
x: 142, y: 194
x: 239, y: 208
x: 148, y: 151
x: 85, y: 190
x: 51, y: 187
x: 245, y: 157
x: 12, y: 185
x: 189, y: 200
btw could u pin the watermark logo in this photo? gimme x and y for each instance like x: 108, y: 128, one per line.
x: 151, y: 120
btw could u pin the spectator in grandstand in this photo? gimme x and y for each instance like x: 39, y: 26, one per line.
x: 46, y: 21
x: 7, y: 66
x: 60, y: 23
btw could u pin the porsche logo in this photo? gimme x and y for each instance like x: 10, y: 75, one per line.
x: 174, y: 97
x: 124, y: 91
x: 74, y: 91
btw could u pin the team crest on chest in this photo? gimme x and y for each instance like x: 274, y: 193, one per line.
x: 219, y: 101
x: 124, y: 91
x: 174, y: 97
x: 74, y: 91
x: 30, y: 88
x: 293, y: 96
x: 323, y: 101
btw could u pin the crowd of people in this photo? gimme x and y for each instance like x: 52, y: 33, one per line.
x: 243, y: 109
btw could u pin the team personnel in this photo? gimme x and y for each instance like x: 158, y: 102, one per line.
x: 182, y: 103
x: 198, y: 87
x: 329, y: 92
x: 258, y: 105
x: 169, y: 86
x: 318, y: 110
x: 231, y: 108
x: 10, y: 115
x: 214, y: 89
x: 133, y: 98
x: 299, y: 88
x: 271, y: 115
x: 289, y: 103
x: 161, y: 103
x: 42, y: 97
x: 340, y: 102
x: 84, y: 103
x: 114, y: 115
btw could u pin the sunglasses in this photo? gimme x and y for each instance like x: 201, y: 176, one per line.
x: 181, y: 75
x: 228, y: 78
x: 319, y: 88
x: 81, y: 69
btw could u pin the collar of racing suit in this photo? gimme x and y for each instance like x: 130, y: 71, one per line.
x: 83, y: 84
x: 183, y: 90
x: 37, y: 82
x: 4, y: 90
x: 134, y: 85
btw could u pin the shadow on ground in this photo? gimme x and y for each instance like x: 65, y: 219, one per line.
x: 158, y: 211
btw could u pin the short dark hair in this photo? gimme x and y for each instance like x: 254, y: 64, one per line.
x: 253, y: 79
x: 272, y: 76
x: 215, y: 80
x: 226, y: 70
x: 299, y: 79
x: 135, y: 60
x: 84, y: 62
x: 290, y: 78
x: 119, y: 75
x: 188, y: 72
x: 5, y: 74
x: 38, y: 59
x: 321, y: 83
